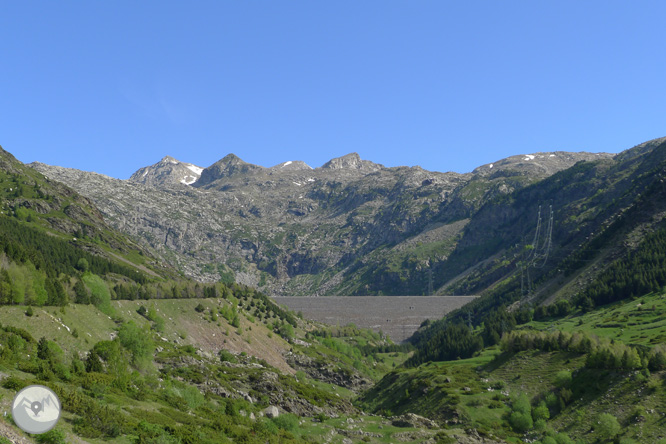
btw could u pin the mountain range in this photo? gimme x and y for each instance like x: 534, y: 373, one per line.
x: 349, y: 227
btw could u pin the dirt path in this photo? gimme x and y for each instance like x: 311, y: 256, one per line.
x: 132, y: 264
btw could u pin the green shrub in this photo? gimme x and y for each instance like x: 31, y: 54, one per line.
x: 138, y: 342
x: 265, y: 427
x: 607, y: 426
x: 154, y: 434
x: 563, y: 379
x: 287, y: 421
x: 521, y: 422
x: 522, y: 405
x: 53, y: 436
x: 552, y: 401
x: 540, y: 412
x: 559, y: 438
x: 14, y: 383
x: 227, y: 356
x: 443, y: 438
x: 99, y: 421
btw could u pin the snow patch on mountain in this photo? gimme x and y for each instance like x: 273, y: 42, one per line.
x: 195, y: 169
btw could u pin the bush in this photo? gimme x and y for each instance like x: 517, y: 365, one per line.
x: 53, y: 436
x: 13, y: 383
x: 443, y: 438
x: 138, y: 342
x: 288, y: 422
x: 265, y: 427
x: 540, y: 412
x: 520, y: 422
x: 552, y: 401
x: 563, y: 438
x: 82, y: 265
x: 522, y: 405
x: 607, y: 426
x: 563, y: 379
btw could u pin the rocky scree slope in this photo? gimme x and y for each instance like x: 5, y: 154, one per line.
x: 350, y: 226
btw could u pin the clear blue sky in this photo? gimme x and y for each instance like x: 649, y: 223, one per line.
x: 111, y: 86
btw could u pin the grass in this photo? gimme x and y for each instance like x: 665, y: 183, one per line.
x: 183, y: 325
x: 640, y: 321
x: 469, y: 393
x: 51, y: 322
x: 479, y: 391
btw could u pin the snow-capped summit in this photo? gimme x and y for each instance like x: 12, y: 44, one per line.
x: 168, y: 171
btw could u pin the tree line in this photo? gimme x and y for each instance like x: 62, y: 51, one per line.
x: 601, y: 353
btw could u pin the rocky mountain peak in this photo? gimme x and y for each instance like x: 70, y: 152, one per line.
x: 291, y: 165
x: 168, y: 159
x: 351, y: 161
x: 167, y: 171
x: 229, y: 166
x: 231, y: 158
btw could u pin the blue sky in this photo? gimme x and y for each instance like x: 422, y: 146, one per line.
x: 448, y: 85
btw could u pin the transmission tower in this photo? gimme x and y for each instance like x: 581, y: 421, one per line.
x: 535, y: 255
x: 430, y: 286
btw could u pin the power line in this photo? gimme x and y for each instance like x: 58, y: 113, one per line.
x: 537, y: 252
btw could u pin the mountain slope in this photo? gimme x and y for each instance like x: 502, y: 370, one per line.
x: 41, y: 214
x: 600, y: 211
x: 348, y: 227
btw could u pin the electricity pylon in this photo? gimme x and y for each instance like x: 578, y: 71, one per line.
x: 536, y: 254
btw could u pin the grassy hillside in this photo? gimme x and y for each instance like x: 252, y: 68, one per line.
x: 570, y: 371
x: 181, y: 372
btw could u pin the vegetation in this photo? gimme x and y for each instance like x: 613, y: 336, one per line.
x: 139, y: 356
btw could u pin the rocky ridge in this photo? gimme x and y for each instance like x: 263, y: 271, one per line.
x: 350, y: 226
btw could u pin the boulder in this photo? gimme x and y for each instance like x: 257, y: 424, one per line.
x: 271, y: 412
